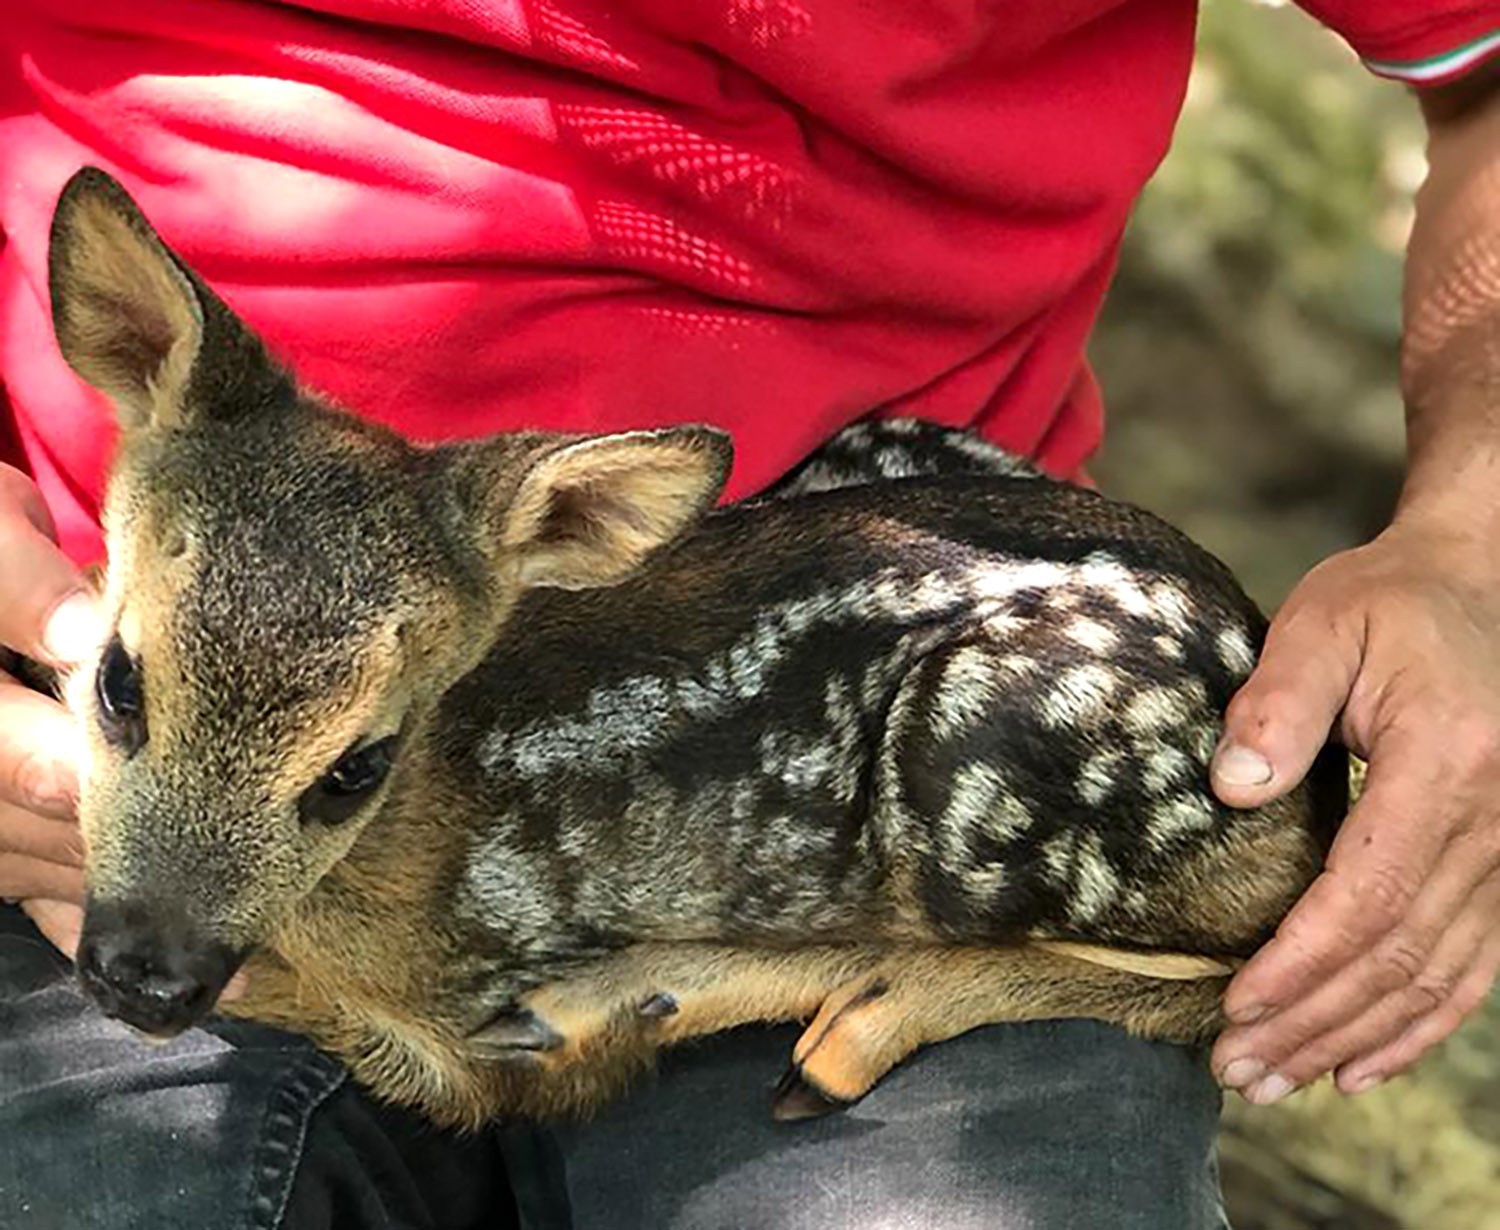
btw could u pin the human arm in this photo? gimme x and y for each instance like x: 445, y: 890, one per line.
x: 1395, y: 646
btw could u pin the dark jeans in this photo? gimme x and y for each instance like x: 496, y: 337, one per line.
x: 1049, y: 1126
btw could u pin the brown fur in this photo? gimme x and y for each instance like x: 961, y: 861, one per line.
x: 930, y: 994
x: 294, y: 586
x: 1224, y: 897
x: 554, y: 526
x: 119, y: 273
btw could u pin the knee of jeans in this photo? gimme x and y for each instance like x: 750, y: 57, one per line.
x: 27, y: 962
x: 1026, y: 1124
x: 101, y: 1129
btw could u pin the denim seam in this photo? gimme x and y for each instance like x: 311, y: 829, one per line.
x: 289, y: 1112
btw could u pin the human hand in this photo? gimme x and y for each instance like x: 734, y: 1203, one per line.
x: 1399, y: 939
x: 47, y: 613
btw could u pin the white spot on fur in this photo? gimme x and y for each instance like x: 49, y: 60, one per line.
x: 994, y: 456
x: 893, y: 461
x: 997, y: 582
x: 1111, y: 578
x: 1096, y: 886
x: 801, y: 764
x: 1164, y: 767
x: 879, y: 676
x: 1076, y: 863
x: 1180, y: 816
x: 1235, y: 652
x: 1081, y: 694
x: 1092, y: 634
x: 1169, y: 647
x: 1099, y: 776
x: 1202, y: 740
x: 617, y: 724
x: 982, y: 883
x: 501, y: 882
x: 1172, y: 606
x: 981, y: 801
x: 1017, y: 665
x: 842, y: 715
x: 839, y: 709
x: 1000, y: 625
x: 1057, y: 858
x: 967, y: 693
x: 1156, y: 710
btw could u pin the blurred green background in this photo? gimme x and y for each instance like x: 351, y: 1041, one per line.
x: 1248, y: 357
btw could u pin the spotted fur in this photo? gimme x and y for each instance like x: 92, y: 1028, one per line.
x: 826, y: 735
x: 877, y: 450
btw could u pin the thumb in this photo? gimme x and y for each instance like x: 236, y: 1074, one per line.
x: 1279, y: 720
x: 60, y: 921
x: 47, y: 611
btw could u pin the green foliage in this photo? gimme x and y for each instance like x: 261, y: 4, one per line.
x: 1289, y: 167
x: 1248, y: 351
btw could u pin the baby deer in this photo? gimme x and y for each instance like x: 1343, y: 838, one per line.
x: 502, y: 764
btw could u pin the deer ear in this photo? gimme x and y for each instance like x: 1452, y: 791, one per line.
x: 588, y: 514
x: 127, y: 318
x: 135, y: 322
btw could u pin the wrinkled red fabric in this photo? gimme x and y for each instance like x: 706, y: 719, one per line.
x: 458, y: 216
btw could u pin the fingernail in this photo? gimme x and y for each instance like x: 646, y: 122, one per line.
x: 1247, y: 1015
x: 1239, y: 766
x: 1269, y: 1091
x: 1240, y: 1072
x: 73, y: 629
x: 1362, y: 1084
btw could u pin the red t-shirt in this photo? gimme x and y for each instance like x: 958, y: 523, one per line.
x: 774, y: 215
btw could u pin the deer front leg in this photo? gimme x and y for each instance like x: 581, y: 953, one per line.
x: 918, y: 996
x: 663, y: 994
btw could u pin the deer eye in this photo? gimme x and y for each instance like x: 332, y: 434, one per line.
x: 355, y: 776
x: 122, y: 699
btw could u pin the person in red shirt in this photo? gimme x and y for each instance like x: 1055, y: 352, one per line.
x: 779, y: 216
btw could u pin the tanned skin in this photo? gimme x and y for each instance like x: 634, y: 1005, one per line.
x: 1393, y: 647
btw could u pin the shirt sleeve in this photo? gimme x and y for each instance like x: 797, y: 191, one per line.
x: 1421, y: 42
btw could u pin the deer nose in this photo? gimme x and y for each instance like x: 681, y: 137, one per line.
x: 148, y: 973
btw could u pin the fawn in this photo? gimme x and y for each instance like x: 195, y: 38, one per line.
x: 502, y: 764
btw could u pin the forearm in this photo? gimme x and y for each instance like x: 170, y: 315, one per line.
x: 1391, y: 647
x: 1450, y: 369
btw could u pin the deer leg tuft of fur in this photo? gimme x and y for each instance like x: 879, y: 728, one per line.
x: 926, y: 995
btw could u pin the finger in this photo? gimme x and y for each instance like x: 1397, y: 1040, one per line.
x: 60, y: 921
x: 1367, y: 1071
x: 39, y: 837
x: 46, y: 610
x: 38, y: 752
x: 22, y: 878
x: 1279, y: 720
x: 1378, y: 864
x: 1412, y: 967
x: 1345, y: 1018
